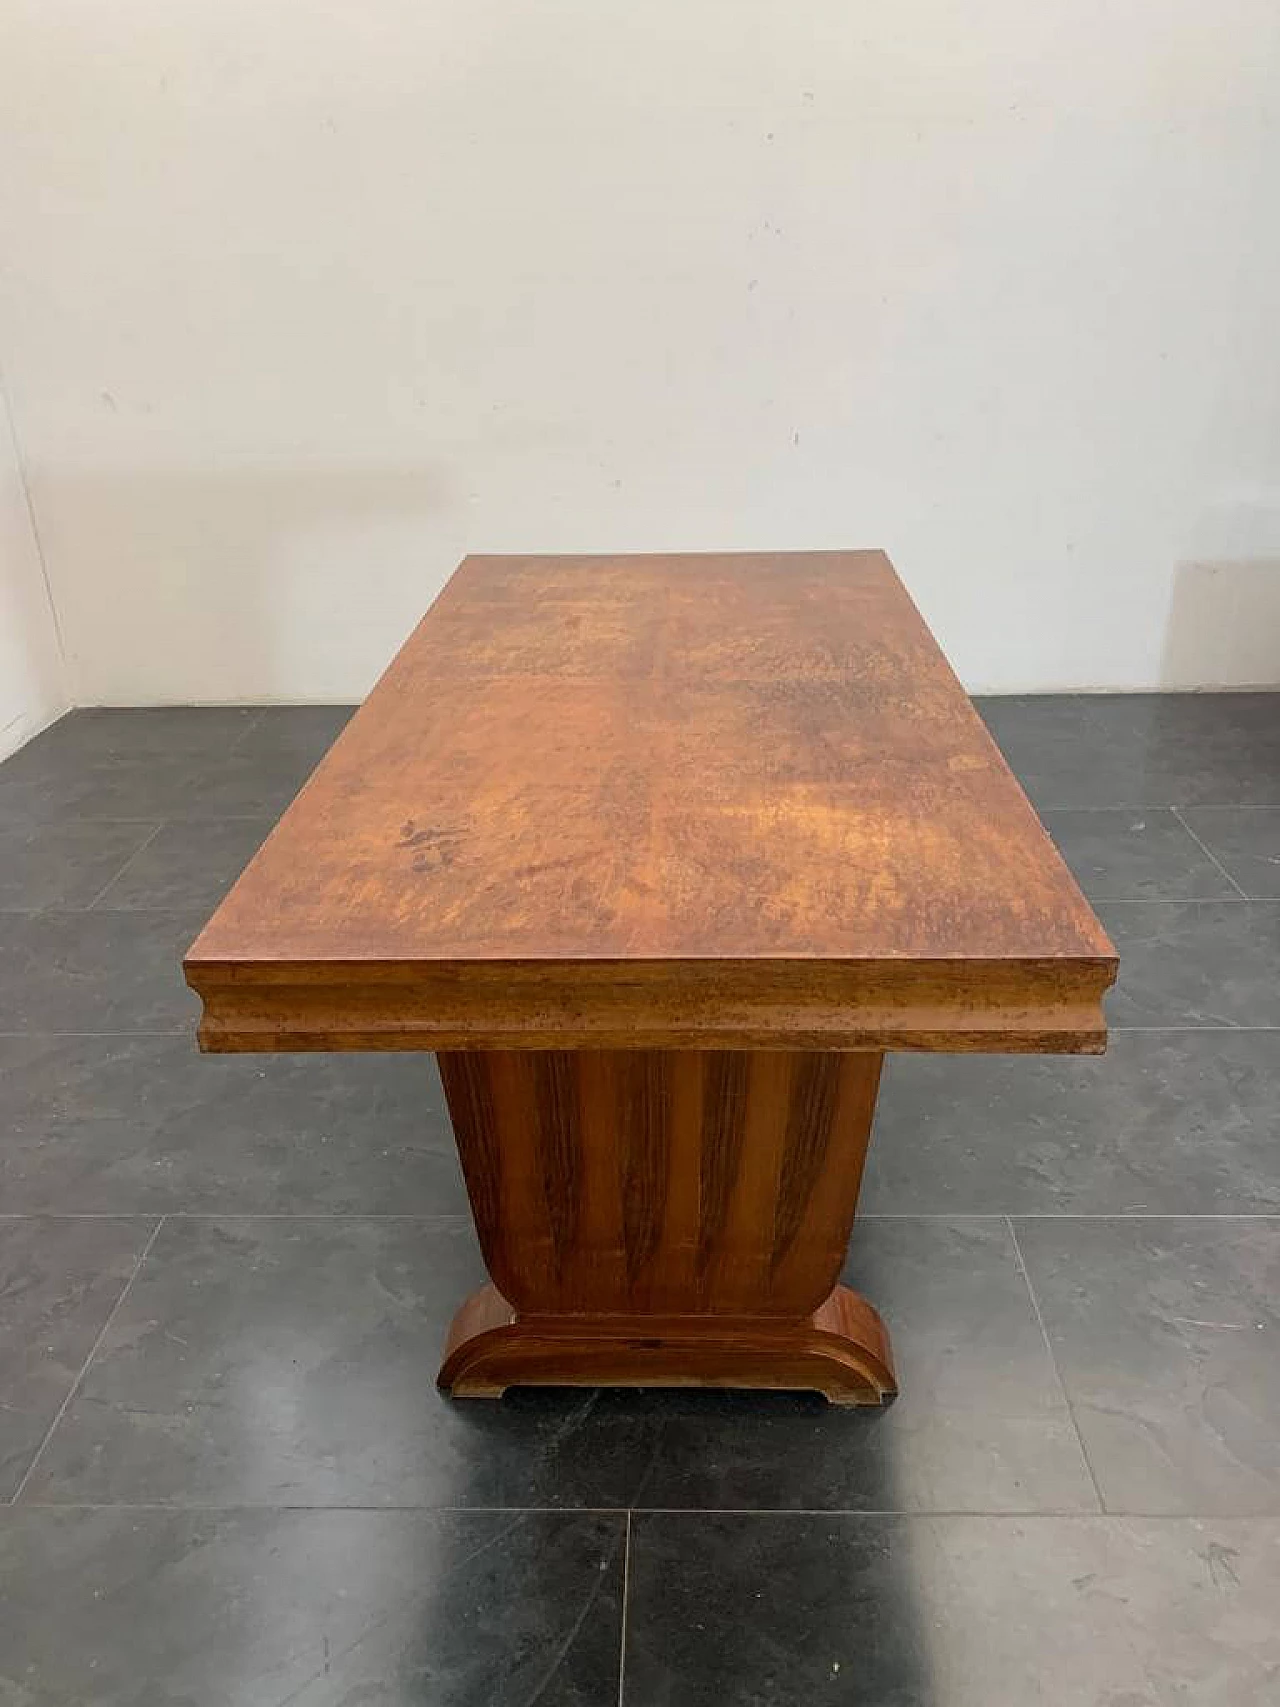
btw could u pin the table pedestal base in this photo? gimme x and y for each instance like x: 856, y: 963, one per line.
x: 665, y: 1218
x: 841, y: 1351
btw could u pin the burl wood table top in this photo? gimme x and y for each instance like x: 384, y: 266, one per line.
x: 660, y: 801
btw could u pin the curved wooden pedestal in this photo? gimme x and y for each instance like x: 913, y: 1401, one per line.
x: 841, y: 1351
x: 665, y: 1218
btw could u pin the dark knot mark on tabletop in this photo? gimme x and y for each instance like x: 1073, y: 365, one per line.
x: 433, y: 848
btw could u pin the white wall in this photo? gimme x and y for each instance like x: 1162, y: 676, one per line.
x: 32, y: 685
x: 304, y: 300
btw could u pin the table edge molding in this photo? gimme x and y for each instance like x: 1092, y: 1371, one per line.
x: 1042, y: 1006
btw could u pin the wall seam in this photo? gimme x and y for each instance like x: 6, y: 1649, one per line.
x: 19, y: 462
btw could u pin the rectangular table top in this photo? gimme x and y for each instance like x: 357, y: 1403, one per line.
x: 689, y: 801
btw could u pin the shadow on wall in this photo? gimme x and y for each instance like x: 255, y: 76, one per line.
x: 1224, y: 626
x: 1224, y: 613
x: 247, y: 580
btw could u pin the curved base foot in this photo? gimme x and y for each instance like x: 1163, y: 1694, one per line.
x: 841, y: 1351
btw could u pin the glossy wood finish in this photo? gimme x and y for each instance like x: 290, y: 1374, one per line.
x: 660, y: 854
x: 660, y: 1217
x: 841, y: 1351
x: 625, y: 1181
x: 660, y: 802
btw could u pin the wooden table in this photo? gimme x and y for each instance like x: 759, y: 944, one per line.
x: 660, y: 855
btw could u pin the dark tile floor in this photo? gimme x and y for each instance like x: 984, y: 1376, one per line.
x: 224, y: 1281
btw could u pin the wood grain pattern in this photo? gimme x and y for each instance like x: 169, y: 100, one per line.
x: 718, y: 1154
x: 703, y: 1204
x: 558, y: 1139
x: 730, y: 801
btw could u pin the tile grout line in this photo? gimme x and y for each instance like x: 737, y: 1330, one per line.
x: 626, y: 1592
x: 84, y: 1367
x: 399, y: 1508
x: 111, y: 882
x: 427, y: 1215
x: 906, y: 1514
x: 914, y: 1514
x: 462, y: 1217
x: 1053, y: 1360
x: 1204, y: 848
x: 1168, y: 806
x: 422, y: 1215
x: 251, y: 723
x: 1149, y: 1029
x: 1177, y: 900
x: 36, y: 826
x: 1030, y: 1215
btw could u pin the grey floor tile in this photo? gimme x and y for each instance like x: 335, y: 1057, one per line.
x: 187, y: 865
x: 1167, y: 1335
x: 126, y: 1125
x: 980, y: 1423
x: 1188, y: 963
x: 59, y: 1281
x: 1137, y: 855
x: 244, y: 785
x: 1063, y: 754
x: 317, y: 1609
x: 158, y: 786
x: 1247, y: 841
x: 262, y: 1362
x: 1167, y: 1122
x: 173, y: 768
x: 346, y: 1318
x: 77, y: 788
x: 1128, y: 750
x: 293, y: 1362
x: 133, y: 732
x: 304, y: 731
x: 64, y: 865
x: 142, y: 765
x: 96, y: 971
x: 951, y: 1612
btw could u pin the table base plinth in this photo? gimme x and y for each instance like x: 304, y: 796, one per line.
x: 841, y: 1351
